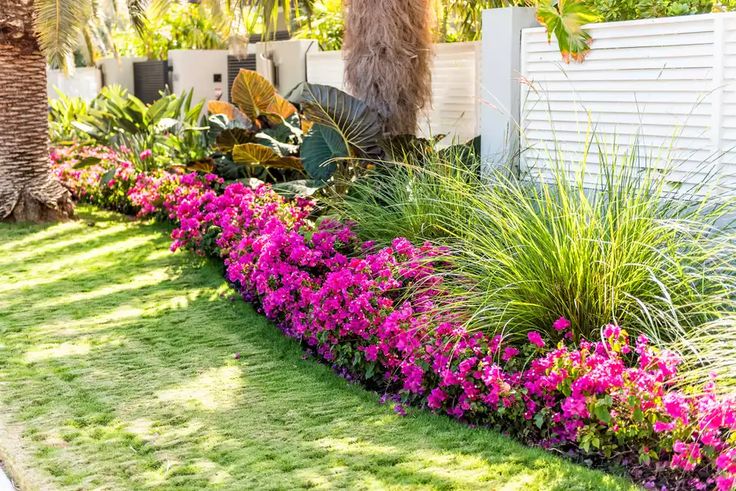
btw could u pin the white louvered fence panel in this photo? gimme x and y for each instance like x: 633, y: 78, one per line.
x: 455, y: 80
x: 668, y: 85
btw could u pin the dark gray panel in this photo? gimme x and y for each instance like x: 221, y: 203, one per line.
x: 149, y: 79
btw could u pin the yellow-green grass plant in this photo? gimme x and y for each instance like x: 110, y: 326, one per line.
x: 420, y: 198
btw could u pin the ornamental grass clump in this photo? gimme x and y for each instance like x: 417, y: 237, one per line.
x: 630, y: 247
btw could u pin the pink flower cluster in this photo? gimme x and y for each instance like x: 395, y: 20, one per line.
x: 370, y: 312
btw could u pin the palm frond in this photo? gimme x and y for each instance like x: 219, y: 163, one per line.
x: 137, y: 12
x: 268, y: 10
x: 59, y: 25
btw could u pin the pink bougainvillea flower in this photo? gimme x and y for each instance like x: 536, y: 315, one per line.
x: 536, y: 339
x: 561, y: 324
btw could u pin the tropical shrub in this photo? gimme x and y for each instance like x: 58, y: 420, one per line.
x: 64, y: 111
x: 616, y: 10
x: 332, y: 135
x: 370, y: 312
x: 163, y: 132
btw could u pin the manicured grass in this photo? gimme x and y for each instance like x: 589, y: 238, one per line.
x: 117, y: 371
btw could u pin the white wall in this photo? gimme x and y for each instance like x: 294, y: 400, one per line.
x: 195, y: 69
x: 119, y: 71
x: 455, y: 75
x: 284, y: 62
x: 667, y: 84
x: 83, y: 82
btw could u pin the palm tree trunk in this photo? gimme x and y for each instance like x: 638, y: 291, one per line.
x: 28, y: 189
x: 388, y: 57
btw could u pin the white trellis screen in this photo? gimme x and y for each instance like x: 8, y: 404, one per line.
x: 455, y: 82
x: 667, y: 84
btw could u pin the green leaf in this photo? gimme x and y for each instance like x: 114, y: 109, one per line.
x: 283, y: 139
x: 87, y: 162
x: 358, y: 126
x: 166, y: 124
x: 108, y: 176
x: 321, y: 148
x: 565, y: 19
x: 301, y: 187
x: 58, y: 24
x: 602, y: 411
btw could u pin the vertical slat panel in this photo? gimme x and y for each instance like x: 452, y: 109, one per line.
x: 666, y: 85
x: 149, y: 79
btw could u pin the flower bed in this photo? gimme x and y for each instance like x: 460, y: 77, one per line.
x: 369, y: 312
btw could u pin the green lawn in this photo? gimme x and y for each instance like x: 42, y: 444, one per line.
x: 117, y: 371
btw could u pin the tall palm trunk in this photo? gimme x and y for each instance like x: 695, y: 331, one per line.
x: 28, y: 189
x: 388, y: 56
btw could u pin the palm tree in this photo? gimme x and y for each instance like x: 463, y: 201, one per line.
x: 28, y: 190
x: 32, y: 32
x: 388, y: 56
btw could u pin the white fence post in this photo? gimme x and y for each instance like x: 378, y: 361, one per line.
x: 500, y: 89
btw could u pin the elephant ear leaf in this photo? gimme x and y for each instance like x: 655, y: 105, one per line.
x: 231, y: 113
x: 358, y: 126
x: 279, y: 111
x: 565, y: 19
x: 254, y: 154
x: 321, y: 149
x: 228, y: 139
x: 253, y: 94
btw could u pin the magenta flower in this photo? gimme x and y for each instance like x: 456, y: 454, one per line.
x: 146, y: 154
x: 436, y: 398
x: 509, y: 353
x: 561, y: 324
x: 536, y: 339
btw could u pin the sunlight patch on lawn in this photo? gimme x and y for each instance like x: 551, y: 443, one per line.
x: 58, y: 245
x: 214, y: 390
x: 78, y: 348
x: 43, y: 235
x: 70, y: 327
x: 38, y: 274
x: 59, y: 351
x: 151, y: 278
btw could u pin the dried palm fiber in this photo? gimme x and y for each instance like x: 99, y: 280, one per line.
x: 388, y: 56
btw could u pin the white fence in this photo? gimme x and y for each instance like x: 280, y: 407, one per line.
x: 668, y: 85
x: 455, y: 88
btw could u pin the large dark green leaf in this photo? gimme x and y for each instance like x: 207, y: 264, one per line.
x: 322, y: 148
x: 357, y: 125
x: 225, y: 134
x: 301, y: 187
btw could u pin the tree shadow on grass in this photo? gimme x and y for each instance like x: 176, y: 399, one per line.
x: 131, y: 388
